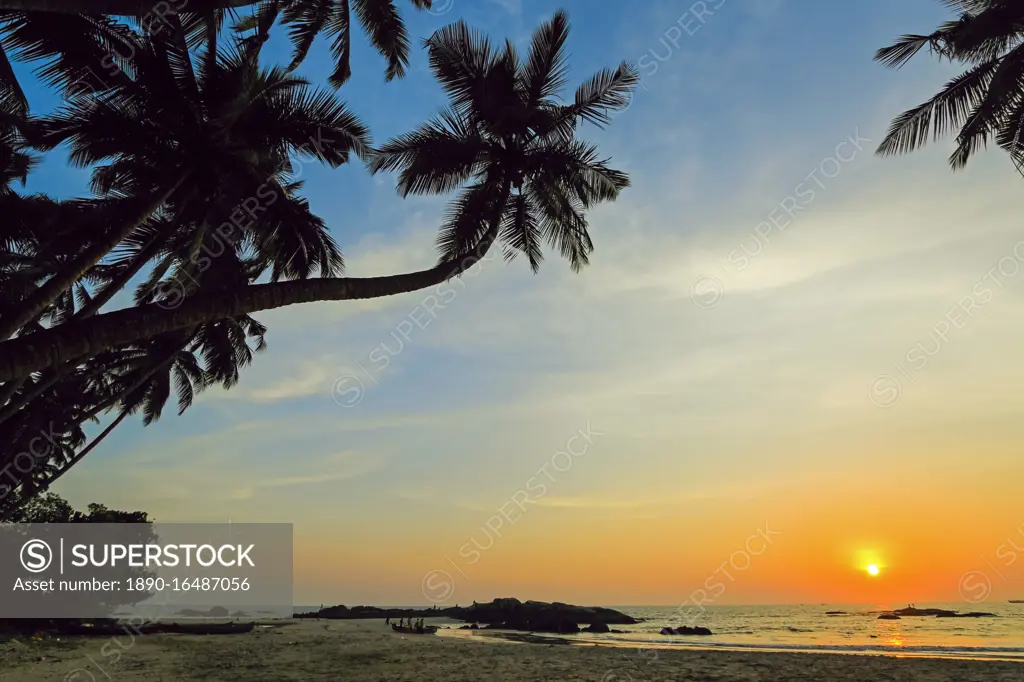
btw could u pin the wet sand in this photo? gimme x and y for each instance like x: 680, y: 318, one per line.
x: 366, y: 650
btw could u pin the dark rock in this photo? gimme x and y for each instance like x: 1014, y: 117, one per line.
x: 506, y: 614
x: 937, y: 613
x: 835, y: 613
x: 329, y: 612
x: 535, y: 616
x: 686, y: 630
x: 596, y: 627
x: 913, y: 611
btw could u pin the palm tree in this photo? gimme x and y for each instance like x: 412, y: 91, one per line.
x: 231, y: 130
x: 131, y: 381
x: 172, y: 134
x: 503, y: 133
x: 984, y: 102
x: 305, y: 19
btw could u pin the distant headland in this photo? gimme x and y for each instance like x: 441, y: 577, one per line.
x: 505, y: 614
x: 937, y: 613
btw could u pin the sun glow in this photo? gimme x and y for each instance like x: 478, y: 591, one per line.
x: 873, y: 569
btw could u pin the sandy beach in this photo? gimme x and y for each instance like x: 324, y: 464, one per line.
x: 367, y: 650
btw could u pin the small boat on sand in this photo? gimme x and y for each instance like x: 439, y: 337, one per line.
x: 425, y: 630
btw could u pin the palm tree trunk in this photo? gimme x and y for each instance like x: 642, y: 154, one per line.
x: 37, y: 302
x: 9, y: 390
x: 53, y: 347
x: 133, y: 7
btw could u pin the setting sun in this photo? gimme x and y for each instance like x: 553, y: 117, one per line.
x: 873, y: 569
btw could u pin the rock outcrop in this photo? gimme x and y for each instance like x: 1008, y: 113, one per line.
x: 936, y: 613
x: 686, y: 630
x: 500, y: 614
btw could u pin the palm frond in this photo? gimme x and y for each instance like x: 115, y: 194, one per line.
x: 435, y: 158
x: 546, y: 67
x: 947, y: 110
x: 468, y: 219
x: 460, y: 58
x: 387, y: 33
x: 520, y: 231
x: 989, y: 114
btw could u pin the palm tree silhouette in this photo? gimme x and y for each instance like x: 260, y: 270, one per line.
x: 528, y: 178
x: 180, y: 139
x: 305, y: 20
x: 191, y: 139
x: 984, y: 102
x: 224, y: 132
x: 503, y: 133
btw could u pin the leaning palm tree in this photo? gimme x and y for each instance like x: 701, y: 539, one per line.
x: 986, y: 101
x: 228, y: 130
x: 504, y: 135
x: 177, y: 138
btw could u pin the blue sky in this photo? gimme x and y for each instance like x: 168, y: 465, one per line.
x: 756, y: 406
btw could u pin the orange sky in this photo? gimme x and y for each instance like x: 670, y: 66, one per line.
x: 822, y: 538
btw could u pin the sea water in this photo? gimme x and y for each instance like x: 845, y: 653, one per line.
x: 809, y: 628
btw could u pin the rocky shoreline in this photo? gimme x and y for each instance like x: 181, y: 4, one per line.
x: 501, y: 614
x: 935, y: 613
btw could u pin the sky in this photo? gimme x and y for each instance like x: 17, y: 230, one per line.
x: 789, y: 358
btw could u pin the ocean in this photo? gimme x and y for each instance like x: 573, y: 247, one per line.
x: 856, y: 630
x: 808, y: 629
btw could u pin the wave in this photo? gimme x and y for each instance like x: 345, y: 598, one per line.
x: 968, y: 652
